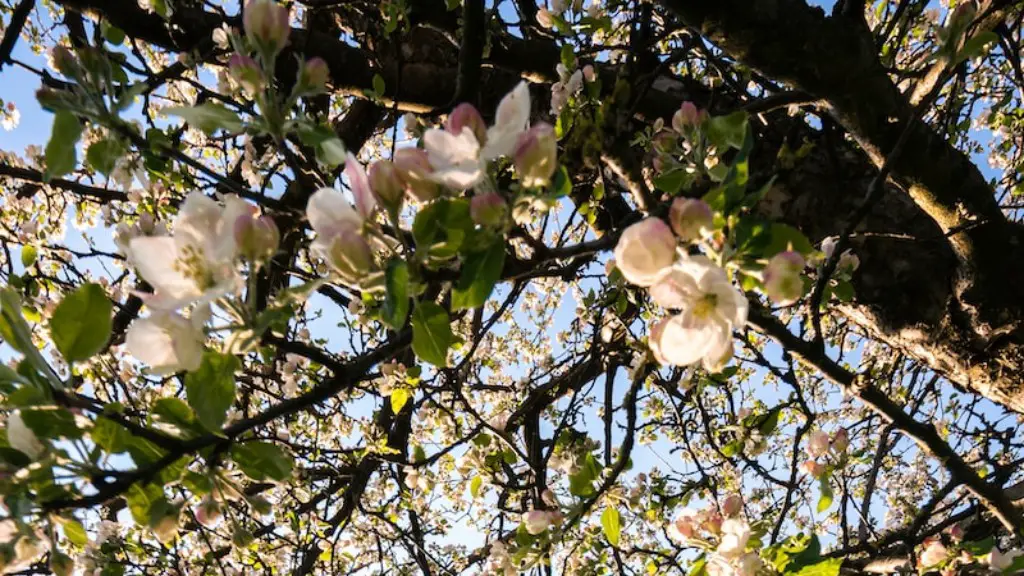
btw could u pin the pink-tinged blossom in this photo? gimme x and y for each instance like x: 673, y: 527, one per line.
x: 366, y: 203
x: 167, y: 342
x: 783, y: 277
x: 644, y: 251
x: 691, y: 218
x: 511, y: 119
x: 818, y: 444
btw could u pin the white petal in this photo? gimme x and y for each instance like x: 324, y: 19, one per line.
x: 168, y: 343
x: 222, y: 244
x: 328, y: 210
x: 674, y: 289
x: 197, y: 221
x: 445, y: 149
x: 682, y: 344
x: 459, y: 178
x: 511, y: 120
x: 156, y: 261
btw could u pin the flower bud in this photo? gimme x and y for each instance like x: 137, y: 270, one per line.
x: 64, y: 61
x: 488, y: 210
x: 817, y: 444
x: 687, y: 116
x: 545, y: 19
x: 691, y: 218
x: 314, y: 75
x: 414, y: 169
x: 813, y: 468
x: 644, y: 250
x: 350, y: 256
x: 536, y: 521
x: 536, y: 155
x: 257, y: 238
x: 465, y: 115
x: 783, y: 280
x: 665, y: 141
x: 208, y: 513
x: 549, y: 498
x: 386, y: 185
x: 266, y: 24
x: 732, y: 505
x: 712, y: 522
x: 841, y: 440
x: 685, y: 526
x: 589, y: 73
x: 246, y: 72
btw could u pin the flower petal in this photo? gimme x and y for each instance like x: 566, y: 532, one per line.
x: 328, y: 211
x: 366, y: 202
x: 156, y: 261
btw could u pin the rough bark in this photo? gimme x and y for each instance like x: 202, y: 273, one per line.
x: 938, y: 278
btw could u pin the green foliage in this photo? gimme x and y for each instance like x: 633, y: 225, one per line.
x: 396, y: 297
x: 61, y: 156
x: 610, y: 524
x: 208, y: 117
x: 82, y: 323
x: 431, y: 333
x: 211, y: 388
x: 262, y: 461
x: 480, y: 272
x: 441, y: 228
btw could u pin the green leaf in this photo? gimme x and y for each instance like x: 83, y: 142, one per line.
x: 980, y: 547
x: 110, y: 436
x: 82, y: 323
x: 699, y: 567
x: 141, y: 500
x: 399, y: 397
x: 208, y: 117
x: 396, y: 297
x: 211, y: 388
x: 378, y: 84
x: 441, y: 228
x: 728, y: 130
x: 828, y: 567
x: 51, y: 422
x: 28, y: 255
x: 561, y: 184
x: 102, y: 155
x: 770, y: 422
x: 480, y: 272
x: 783, y: 236
x: 825, y: 501
x: 474, y: 486
x: 431, y: 333
x: 113, y: 34
x: 671, y: 182
x: 61, y: 155
x: 74, y: 531
x: 262, y: 461
x: 611, y: 526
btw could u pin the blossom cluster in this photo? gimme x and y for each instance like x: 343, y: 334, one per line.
x: 724, y: 532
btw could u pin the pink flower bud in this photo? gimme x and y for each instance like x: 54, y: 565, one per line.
x: 350, y: 256
x: 257, y: 238
x: 813, y: 468
x: 266, y: 23
x: 536, y: 155
x: 691, y: 218
x: 208, y: 513
x: 488, y: 209
x: 465, y: 115
x: 817, y: 444
x: 246, y: 72
x: 414, y: 169
x: 783, y: 280
x: 711, y: 522
x: 933, y: 554
x: 387, y: 186
x: 688, y: 115
x: 536, y: 521
x: 684, y: 527
x: 549, y: 498
x: 644, y: 250
x: 955, y: 532
x: 841, y: 440
x: 589, y: 74
x: 732, y: 505
x: 366, y: 203
x: 314, y: 75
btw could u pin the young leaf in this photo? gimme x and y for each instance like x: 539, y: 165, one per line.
x: 825, y: 501
x: 211, y: 388
x: 399, y: 397
x: 474, y: 486
x: 611, y: 526
x: 81, y: 324
x: 61, y: 156
x: 396, y: 298
x: 480, y: 272
x: 262, y: 460
x: 431, y: 333
x: 208, y: 117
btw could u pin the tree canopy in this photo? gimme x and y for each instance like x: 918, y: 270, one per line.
x: 704, y: 287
